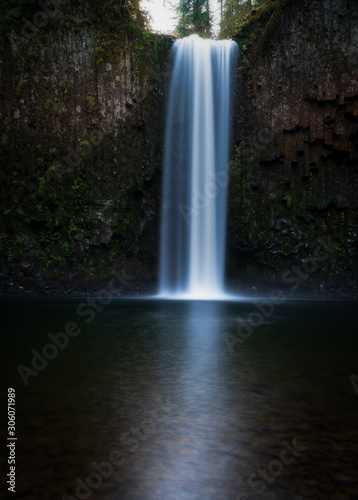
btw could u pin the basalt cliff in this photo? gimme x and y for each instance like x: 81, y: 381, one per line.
x: 82, y: 104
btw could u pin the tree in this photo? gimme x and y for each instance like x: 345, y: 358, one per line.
x: 234, y: 13
x: 194, y: 17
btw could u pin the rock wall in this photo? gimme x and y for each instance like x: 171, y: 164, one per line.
x: 294, y: 204
x: 82, y: 90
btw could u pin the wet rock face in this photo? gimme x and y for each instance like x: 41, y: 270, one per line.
x: 295, y: 175
x: 82, y: 117
x: 82, y: 110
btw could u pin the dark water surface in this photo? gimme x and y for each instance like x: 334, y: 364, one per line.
x: 154, y: 386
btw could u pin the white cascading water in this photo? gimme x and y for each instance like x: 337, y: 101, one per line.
x: 195, y: 169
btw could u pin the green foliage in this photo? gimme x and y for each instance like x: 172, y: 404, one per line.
x: 194, y: 18
x: 66, y: 86
x: 56, y: 108
x: 49, y: 205
x: 234, y: 13
x: 238, y: 15
x: 84, y: 148
x: 33, y: 55
x: 4, y: 141
x: 99, y: 51
x: 14, y: 14
x: 91, y: 102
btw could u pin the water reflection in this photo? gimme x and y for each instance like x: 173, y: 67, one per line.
x: 154, y: 381
x: 194, y: 464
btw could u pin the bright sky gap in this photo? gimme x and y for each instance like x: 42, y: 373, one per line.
x: 164, y: 17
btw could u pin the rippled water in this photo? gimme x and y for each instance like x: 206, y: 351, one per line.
x: 153, y: 385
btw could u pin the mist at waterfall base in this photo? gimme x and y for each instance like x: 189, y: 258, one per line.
x: 195, y: 169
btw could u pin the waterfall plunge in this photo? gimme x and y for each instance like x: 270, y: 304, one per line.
x: 193, y: 217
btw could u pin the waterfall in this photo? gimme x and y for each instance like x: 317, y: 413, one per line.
x: 195, y: 169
